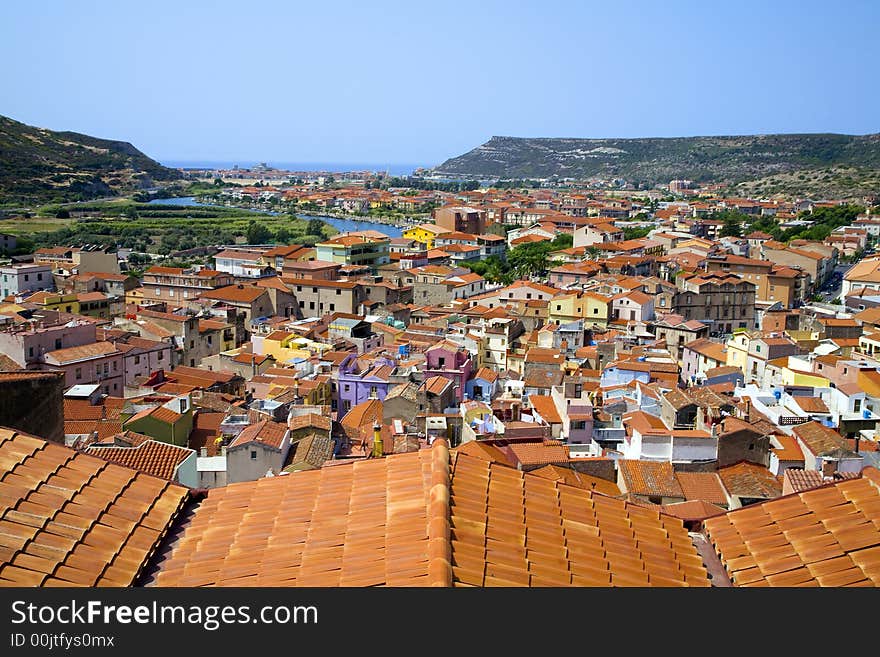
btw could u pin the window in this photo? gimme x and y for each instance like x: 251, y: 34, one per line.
x: 253, y: 455
x: 158, y: 292
x: 115, y: 366
x: 332, y: 306
x: 299, y: 288
x: 26, y: 277
x: 161, y: 355
x: 857, y: 405
x: 106, y: 368
x: 79, y: 373
x: 757, y: 348
x: 338, y: 292
x: 30, y: 352
x: 374, y: 391
x: 311, y: 305
x: 441, y: 362
x: 347, y: 387
x: 39, y: 277
x: 137, y: 360
x: 558, y: 307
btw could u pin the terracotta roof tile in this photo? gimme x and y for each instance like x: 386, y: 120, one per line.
x: 151, y: 456
x: 750, y: 480
x: 427, y: 518
x: 827, y: 536
x: 705, y: 486
x: 578, y: 479
x: 652, y: 478
x: 266, y: 432
x: 693, y: 510
x: 546, y: 453
x: 72, y: 519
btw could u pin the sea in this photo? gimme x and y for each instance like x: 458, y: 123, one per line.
x: 393, y: 169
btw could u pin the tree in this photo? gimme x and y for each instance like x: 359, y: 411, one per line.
x: 732, y: 227
x: 634, y: 233
x: 282, y: 235
x: 529, y: 259
x: 62, y: 214
x: 315, y: 227
x: 218, y: 182
x: 257, y: 233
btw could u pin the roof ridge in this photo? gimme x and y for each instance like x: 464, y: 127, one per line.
x: 439, y: 513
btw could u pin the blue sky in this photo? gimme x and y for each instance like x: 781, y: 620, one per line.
x: 413, y: 82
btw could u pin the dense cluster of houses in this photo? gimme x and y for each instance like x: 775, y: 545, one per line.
x: 683, y: 372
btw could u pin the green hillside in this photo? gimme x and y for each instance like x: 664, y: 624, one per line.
x: 39, y: 166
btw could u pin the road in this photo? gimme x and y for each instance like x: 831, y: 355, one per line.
x: 831, y: 290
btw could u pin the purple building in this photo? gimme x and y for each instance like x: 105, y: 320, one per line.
x: 451, y: 361
x: 358, y: 382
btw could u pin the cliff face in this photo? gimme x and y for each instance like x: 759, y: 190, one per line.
x: 40, y: 166
x: 704, y: 159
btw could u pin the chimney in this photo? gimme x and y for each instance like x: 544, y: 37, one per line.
x: 856, y: 446
x: 378, y: 449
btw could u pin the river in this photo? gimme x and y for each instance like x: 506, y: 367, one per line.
x: 343, y: 225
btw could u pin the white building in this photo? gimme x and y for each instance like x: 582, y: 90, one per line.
x: 15, y: 279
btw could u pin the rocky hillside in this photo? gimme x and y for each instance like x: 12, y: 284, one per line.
x: 41, y: 166
x: 651, y: 161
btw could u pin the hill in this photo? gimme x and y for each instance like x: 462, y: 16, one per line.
x: 728, y: 159
x: 40, y: 166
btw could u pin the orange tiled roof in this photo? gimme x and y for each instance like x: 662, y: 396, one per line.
x: 649, y: 478
x: 426, y: 518
x: 545, y: 453
x: 265, y: 432
x: 693, y: 510
x: 70, y: 519
x: 151, y: 456
x: 705, y: 486
x: 578, y: 479
x: 827, y: 536
x: 750, y: 480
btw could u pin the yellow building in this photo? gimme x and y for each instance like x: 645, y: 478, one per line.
x: 286, y: 346
x: 425, y: 234
x: 51, y: 301
x: 738, y: 349
x: 134, y: 296
x: 589, y: 306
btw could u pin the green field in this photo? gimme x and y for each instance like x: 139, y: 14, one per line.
x: 160, y: 229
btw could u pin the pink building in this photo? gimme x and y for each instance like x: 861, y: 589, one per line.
x: 28, y: 343
x: 451, y: 361
x: 99, y: 362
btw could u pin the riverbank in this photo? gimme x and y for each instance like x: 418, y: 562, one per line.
x: 395, y: 221
x: 342, y: 222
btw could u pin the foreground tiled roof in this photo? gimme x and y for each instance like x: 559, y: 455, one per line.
x: 153, y: 457
x: 426, y: 518
x: 578, y: 479
x: 510, y: 528
x: 362, y: 524
x: 69, y: 519
x: 828, y: 536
